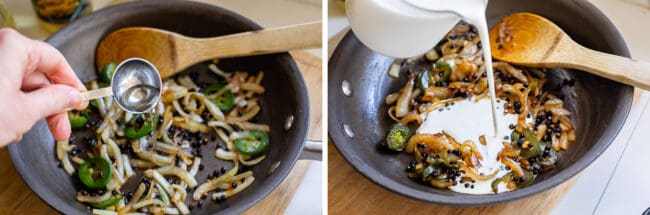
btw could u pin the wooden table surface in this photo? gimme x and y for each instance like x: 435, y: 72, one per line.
x: 17, y: 198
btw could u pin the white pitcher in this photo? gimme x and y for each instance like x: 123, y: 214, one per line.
x: 407, y: 28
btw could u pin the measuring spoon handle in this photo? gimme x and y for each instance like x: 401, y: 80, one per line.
x: 95, y: 94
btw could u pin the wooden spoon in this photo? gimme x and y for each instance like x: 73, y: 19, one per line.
x: 530, y: 40
x: 171, y: 52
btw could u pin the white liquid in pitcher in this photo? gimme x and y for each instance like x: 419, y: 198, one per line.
x: 396, y: 28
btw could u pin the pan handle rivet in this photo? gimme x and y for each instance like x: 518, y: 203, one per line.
x: 288, y: 123
x: 345, y: 87
x: 348, y: 130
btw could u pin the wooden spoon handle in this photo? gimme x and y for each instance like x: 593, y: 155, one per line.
x: 266, y: 41
x: 617, y: 68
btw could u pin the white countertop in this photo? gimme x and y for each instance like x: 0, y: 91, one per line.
x: 268, y: 13
x: 611, y: 185
x: 617, y: 182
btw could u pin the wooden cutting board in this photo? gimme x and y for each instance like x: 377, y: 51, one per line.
x: 349, y: 192
x: 17, y: 198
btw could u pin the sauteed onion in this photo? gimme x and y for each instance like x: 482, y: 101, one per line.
x: 165, y: 145
x: 454, y: 71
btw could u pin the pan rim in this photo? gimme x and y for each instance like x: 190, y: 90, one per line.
x: 340, y: 140
x: 302, y: 111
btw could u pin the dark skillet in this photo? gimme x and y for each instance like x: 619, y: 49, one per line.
x: 286, y: 95
x: 599, y: 106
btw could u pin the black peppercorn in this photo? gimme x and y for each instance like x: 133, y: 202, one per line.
x: 424, y: 155
x: 546, y: 138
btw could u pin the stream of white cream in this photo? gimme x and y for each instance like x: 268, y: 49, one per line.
x: 468, y: 120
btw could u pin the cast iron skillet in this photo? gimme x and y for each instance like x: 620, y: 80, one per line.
x: 286, y: 95
x: 599, y: 106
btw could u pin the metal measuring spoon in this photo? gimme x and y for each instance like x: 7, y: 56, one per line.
x: 135, y: 86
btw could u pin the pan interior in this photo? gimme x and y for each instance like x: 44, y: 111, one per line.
x: 599, y: 106
x: 34, y: 157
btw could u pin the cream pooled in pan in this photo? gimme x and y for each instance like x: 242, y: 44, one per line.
x: 453, y: 144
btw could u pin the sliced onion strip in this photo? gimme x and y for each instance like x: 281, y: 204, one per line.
x: 474, y: 175
x: 178, y: 172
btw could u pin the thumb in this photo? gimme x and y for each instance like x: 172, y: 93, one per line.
x: 52, y: 99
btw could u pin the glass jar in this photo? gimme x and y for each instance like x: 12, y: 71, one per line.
x: 54, y: 14
x: 6, y: 19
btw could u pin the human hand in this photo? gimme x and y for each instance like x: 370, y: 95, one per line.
x: 36, y: 82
